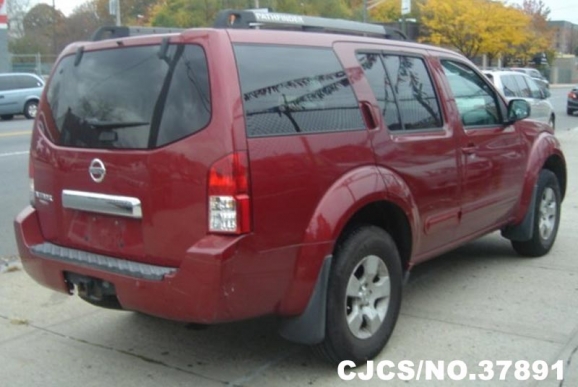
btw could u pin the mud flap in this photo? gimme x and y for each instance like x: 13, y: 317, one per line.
x: 309, y: 327
x: 523, y: 231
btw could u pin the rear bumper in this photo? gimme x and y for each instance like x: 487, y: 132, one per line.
x: 192, y: 292
x: 572, y: 104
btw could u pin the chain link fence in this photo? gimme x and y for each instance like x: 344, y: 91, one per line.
x: 38, y: 64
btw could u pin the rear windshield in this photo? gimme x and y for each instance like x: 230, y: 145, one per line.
x: 131, y: 98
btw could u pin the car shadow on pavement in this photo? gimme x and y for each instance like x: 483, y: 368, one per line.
x: 236, y: 353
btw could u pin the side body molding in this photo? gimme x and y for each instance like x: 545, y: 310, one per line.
x: 353, y: 191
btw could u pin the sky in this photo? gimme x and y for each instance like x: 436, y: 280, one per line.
x: 560, y: 9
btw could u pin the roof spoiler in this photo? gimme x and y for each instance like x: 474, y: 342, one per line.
x: 262, y: 18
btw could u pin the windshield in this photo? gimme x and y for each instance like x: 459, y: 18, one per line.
x: 130, y: 98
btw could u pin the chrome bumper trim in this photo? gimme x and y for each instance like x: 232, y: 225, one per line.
x: 103, y: 204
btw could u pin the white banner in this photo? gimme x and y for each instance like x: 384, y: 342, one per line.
x: 405, y: 7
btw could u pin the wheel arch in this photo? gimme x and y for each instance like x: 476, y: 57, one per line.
x: 546, y: 154
x: 367, y: 195
x: 389, y: 217
x: 557, y: 165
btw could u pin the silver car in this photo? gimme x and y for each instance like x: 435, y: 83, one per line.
x: 518, y: 85
x: 19, y: 94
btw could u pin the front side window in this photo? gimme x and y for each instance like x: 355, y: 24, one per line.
x: 476, y: 101
x: 534, y: 89
x: 292, y: 90
x: 130, y: 98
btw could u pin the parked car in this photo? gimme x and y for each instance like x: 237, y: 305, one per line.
x: 221, y: 174
x: 534, y: 74
x: 517, y: 85
x: 19, y: 94
x: 572, y: 103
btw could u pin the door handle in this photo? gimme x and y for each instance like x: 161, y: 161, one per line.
x: 470, y: 149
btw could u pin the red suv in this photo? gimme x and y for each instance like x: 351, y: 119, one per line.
x: 221, y: 174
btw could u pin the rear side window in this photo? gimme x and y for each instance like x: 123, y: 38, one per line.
x: 375, y: 73
x: 130, y: 98
x: 403, y: 89
x: 510, y: 87
x: 416, y: 98
x: 522, y: 86
x: 291, y: 90
x: 27, y: 82
x: 6, y: 83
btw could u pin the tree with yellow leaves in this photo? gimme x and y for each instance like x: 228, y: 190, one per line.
x: 466, y: 25
x: 390, y: 10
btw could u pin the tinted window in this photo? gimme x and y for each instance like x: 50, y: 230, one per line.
x: 289, y: 90
x: 475, y: 100
x: 416, y: 98
x: 379, y: 82
x: 535, y: 74
x: 27, y: 82
x: 523, y: 86
x: 6, y: 83
x: 130, y: 98
x: 534, y: 89
x: 509, y: 86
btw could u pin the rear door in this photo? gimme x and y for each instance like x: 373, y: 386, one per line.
x: 123, y: 146
x: 414, y: 142
x: 8, y: 95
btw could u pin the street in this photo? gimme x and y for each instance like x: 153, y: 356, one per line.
x: 479, y: 302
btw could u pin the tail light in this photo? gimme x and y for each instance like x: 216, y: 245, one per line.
x: 573, y: 95
x: 31, y: 178
x: 229, y: 201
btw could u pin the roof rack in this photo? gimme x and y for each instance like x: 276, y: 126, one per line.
x: 115, y: 32
x: 262, y: 18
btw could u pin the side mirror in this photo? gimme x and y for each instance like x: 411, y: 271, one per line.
x: 518, y: 109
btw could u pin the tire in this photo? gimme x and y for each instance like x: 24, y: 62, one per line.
x: 569, y: 111
x: 30, y: 109
x: 362, y: 248
x: 546, y: 218
x: 7, y: 117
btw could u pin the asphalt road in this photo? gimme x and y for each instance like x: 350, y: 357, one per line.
x: 480, y: 302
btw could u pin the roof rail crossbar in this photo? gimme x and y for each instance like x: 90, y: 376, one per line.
x: 115, y: 32
x: 258, y: 18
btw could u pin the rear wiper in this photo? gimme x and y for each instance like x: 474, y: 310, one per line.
x: 108, y: 125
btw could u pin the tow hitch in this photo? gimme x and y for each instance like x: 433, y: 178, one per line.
x: 93, y: 290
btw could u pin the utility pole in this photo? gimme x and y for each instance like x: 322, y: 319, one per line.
x: 118, y: 13
x: 114, y: 9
